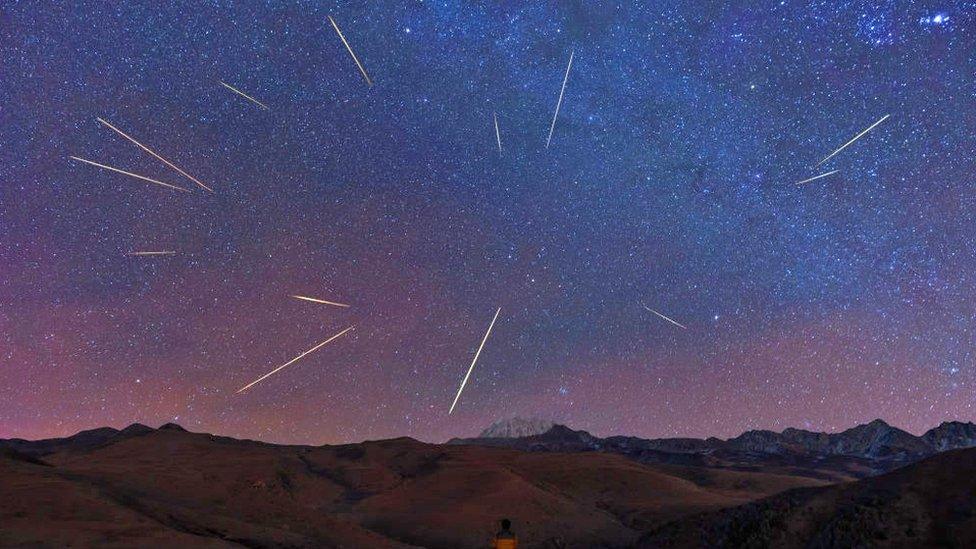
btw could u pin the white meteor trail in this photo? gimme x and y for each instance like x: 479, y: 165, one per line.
x: 153, y: 253
x: 498, y: 134
x: 471, y: 368
x: 856, y: 137
x: 671, y: 320
x: 145, y: 148
x: 244, y: 95
x: 314, y: 300
x: 816, y: 177
x: 130, y: 174
x: 290, y: 362
x: 560, y: 101
x: 352, y: 53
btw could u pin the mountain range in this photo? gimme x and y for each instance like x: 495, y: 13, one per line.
x: 860, y: 451
x: 163, y: 487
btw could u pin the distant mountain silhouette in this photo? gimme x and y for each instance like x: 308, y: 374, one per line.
x: 81, y: 441
x: 517, y: 427
x: 875, y: 440
x: 858, y: 452
x: 951, y: 435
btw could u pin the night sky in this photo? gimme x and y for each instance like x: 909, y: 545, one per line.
x: 670, y: 182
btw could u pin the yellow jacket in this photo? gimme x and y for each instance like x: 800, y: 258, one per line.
x: 505, y: 542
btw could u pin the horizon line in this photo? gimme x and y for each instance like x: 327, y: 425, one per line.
x: 427, y: 441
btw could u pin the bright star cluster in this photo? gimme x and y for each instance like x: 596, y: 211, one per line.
x: 670, y: 182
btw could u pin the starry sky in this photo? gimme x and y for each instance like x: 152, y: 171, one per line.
x: 670, y: 181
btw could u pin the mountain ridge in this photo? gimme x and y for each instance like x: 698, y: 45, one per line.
x: 517, y: 426
x: 860, y: 451
x: 170, y: 487
x: 141, y: 486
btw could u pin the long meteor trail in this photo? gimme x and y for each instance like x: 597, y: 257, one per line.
x: 292, y: 361
x: 856, y: 137
x: 244, y: 95
x: 816, y: 177
x: 130, y: 174
x: 148, y: 150
x: 498, y: 134
x: 352, y: 53
x: 671, y: 320
x: 560, y: 101
x: 315, y: 300
x: 153, y: 253
x: 471, y: 368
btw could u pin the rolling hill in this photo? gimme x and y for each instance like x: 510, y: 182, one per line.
x: 931, y: 503
x: 166, y: 486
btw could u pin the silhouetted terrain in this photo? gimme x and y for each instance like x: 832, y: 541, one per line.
x: 928, y: 504
x: 168, y: 487
x: 859, y: 452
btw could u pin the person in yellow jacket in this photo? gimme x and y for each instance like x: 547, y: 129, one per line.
x: 505, y: 539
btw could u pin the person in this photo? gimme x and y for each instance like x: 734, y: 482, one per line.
x: 505, y: 539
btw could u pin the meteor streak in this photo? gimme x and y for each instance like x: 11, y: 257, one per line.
x: 290, y: 362
x: 130, y: 174
x: 498, y: 135
x: 672, y: 321
x: 814, y: 178
x: 353, y: 54
x: 320, y: 301
x: 560, y: 101
x: 145, y: 148
x: 242, y: 94
x: 153, y: 253
x: 856, y: 137
x: 471, y: 368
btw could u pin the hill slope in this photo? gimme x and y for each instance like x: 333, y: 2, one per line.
x: 927, y: 504
x: 167, y: 487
